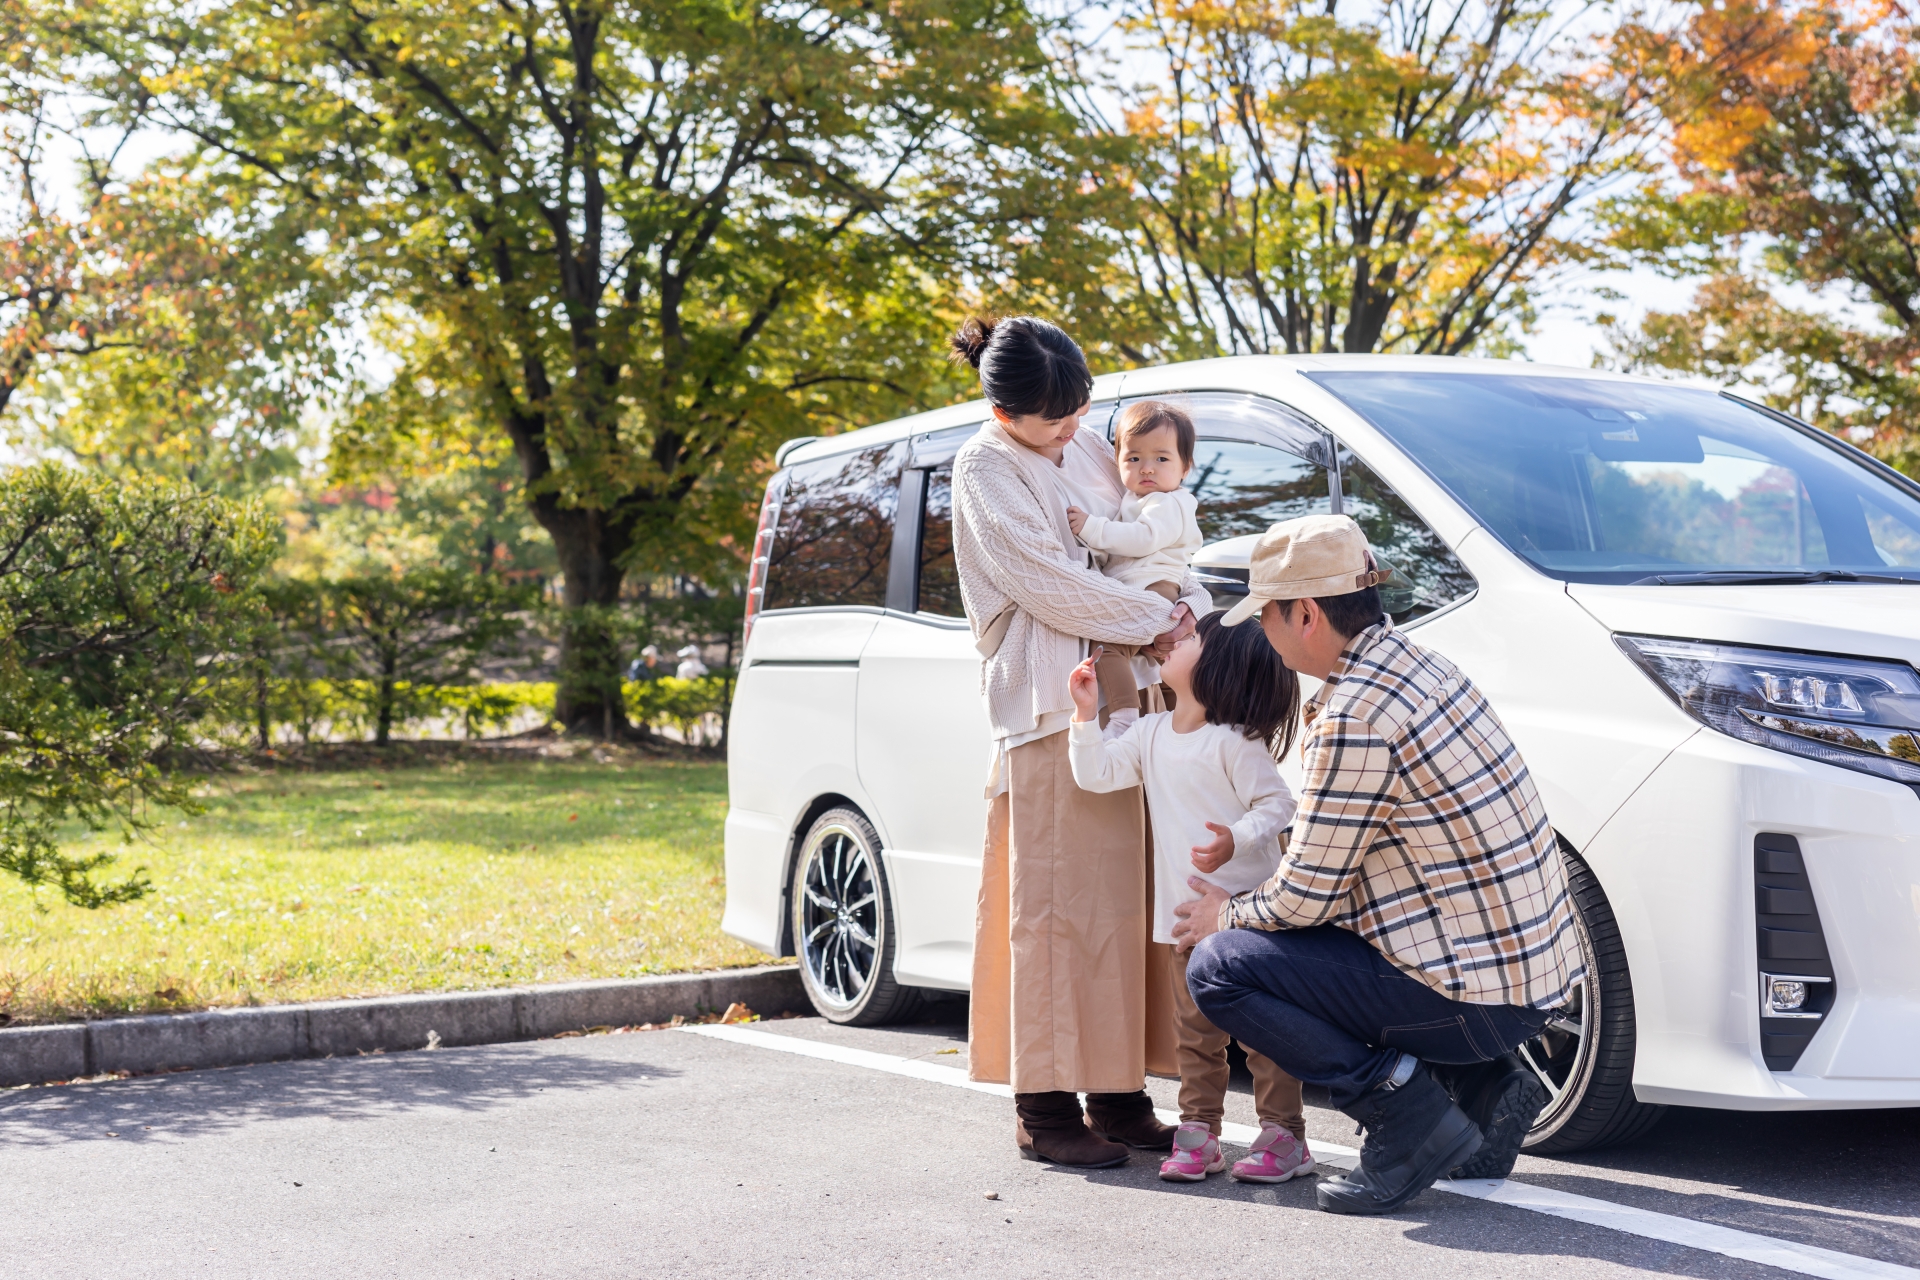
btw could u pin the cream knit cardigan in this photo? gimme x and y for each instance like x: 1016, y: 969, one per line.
x: 1031, y: 593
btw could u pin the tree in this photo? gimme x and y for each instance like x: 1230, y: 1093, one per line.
x: 125, y: 605
x: 643, y: 241
x: 160, y: 323
x: 1399, y: 178
x: 1797, y: 138
x: 388, y: 640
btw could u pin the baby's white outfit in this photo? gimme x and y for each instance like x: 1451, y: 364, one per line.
x: 1214, y: 774
x: 1150, y: 541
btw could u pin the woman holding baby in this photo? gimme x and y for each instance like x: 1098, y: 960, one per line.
x: 1069, y: 994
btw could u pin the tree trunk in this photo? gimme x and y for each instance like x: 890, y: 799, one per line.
x: 262, y: 713
x: 588, y: 698
x: 383, y: 728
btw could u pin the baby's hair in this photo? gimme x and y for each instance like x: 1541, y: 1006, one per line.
x: 1242, y: 683
x: 1144, y: 417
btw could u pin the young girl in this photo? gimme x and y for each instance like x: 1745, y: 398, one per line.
x: 1208, y: 762
x: 1150, y: 540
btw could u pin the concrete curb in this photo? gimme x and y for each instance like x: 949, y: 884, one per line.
x: 336, y: 1028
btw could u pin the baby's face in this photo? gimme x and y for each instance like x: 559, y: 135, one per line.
x: 1151, y: 463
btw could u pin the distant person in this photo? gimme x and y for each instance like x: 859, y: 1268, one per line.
x: 1219, y: 806
x: 690, y: 668
x: 647, y: 665
x: 1421, y: 912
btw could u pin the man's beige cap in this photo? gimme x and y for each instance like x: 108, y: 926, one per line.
x: 1307, y: 556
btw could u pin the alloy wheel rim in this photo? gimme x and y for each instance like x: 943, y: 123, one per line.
x: 1562, y: 1055
x: 838, y: 917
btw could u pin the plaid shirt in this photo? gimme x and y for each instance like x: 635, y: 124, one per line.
x: 1419, y: 829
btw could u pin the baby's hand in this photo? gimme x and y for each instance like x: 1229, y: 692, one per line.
x: 1215, y: 855
x: 1084, y: 685
x: 1076, y: 520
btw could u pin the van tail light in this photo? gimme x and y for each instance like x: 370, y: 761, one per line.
x: 762, y: 549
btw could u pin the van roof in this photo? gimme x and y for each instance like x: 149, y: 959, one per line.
x: 1227, y: 373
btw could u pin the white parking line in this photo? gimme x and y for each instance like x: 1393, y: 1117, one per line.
x: 1805, y: 1259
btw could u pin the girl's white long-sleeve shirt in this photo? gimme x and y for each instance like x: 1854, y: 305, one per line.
x: 1213, y: 774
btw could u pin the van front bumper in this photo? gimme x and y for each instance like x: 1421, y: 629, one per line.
x: 1677, y: 864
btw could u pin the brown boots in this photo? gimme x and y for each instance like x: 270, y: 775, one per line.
x: 1128, y: 1118
x: 1050, y: 1128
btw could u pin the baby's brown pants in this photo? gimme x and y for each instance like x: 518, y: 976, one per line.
x: 1115, y: 667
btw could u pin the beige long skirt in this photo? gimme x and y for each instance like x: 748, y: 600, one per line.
x: 1069, y: 990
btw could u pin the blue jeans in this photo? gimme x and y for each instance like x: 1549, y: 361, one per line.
x: 1333, y: 1011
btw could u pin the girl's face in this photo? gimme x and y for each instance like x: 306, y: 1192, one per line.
x: 1177, y: 671
x: 1049, y: 436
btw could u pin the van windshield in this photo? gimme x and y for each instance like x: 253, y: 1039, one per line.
x: 1602, y: 481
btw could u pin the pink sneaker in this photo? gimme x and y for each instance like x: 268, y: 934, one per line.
x: 1196, y: 1153
x: 1276, y: 1156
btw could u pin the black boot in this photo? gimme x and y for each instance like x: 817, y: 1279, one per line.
x: 1503, y: 1097
x: 1049, y: 1127
x: 1128, y: 1118
x: 1415, y: 1133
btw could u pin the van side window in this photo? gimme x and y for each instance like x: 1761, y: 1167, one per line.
x: 1427, y: 575
x: 939, y: 580
x: 836, y: 531
x: 1246, y: 488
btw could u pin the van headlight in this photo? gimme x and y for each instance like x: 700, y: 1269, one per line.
x: 1858, y: 713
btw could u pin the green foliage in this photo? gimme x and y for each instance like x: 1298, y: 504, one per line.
x: 685, y: 704
x: 386, y: 641
x: 1327, y: 177
x: 640, y: 243
x: 165, y: 322
x: 124, y: 606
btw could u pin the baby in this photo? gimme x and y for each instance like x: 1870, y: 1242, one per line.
x: 1148, y: 544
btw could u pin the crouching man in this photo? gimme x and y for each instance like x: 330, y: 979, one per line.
x: 1421, y: 913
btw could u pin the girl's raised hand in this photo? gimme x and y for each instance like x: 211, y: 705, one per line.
x: 1217, y: 853
x: 1084, y: 685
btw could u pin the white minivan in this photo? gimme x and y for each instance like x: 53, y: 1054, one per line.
x: 1699, y: 619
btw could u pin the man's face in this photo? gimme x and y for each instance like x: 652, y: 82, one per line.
x: 1283, y: 633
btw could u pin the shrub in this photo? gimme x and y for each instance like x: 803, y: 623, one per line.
x: 388, y: 642
x: 128, y: 607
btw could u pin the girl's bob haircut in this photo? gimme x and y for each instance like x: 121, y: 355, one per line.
x: 1027, y: 366
x: 1242, y: 683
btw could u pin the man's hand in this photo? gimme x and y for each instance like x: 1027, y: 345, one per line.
x: 1182, y: 628
x: 1076, y: 520
x: 1200, y: 917
x: 1084, y: 685
x: 1215, y: 854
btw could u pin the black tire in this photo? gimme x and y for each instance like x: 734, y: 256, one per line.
x: 1585, y: 1057
x: 843, y: 923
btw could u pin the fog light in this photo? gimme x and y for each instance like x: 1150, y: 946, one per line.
x: 1786, y: 995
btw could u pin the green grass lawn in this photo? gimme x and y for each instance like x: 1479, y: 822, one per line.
x: 476, y: 873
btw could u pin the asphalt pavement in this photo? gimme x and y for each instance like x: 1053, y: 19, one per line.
x: 672, y: 1154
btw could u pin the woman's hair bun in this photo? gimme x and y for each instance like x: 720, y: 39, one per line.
x: 970, y: 340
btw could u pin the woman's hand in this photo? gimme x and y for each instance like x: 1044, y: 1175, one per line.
x: 1076, y: 520
x: 1182, y: 628
x: 1215, y: 854
x: 1084, y: 685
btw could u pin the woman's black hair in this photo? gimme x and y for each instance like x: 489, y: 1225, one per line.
x: 1242, y: 683
x: 1027, y: 366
